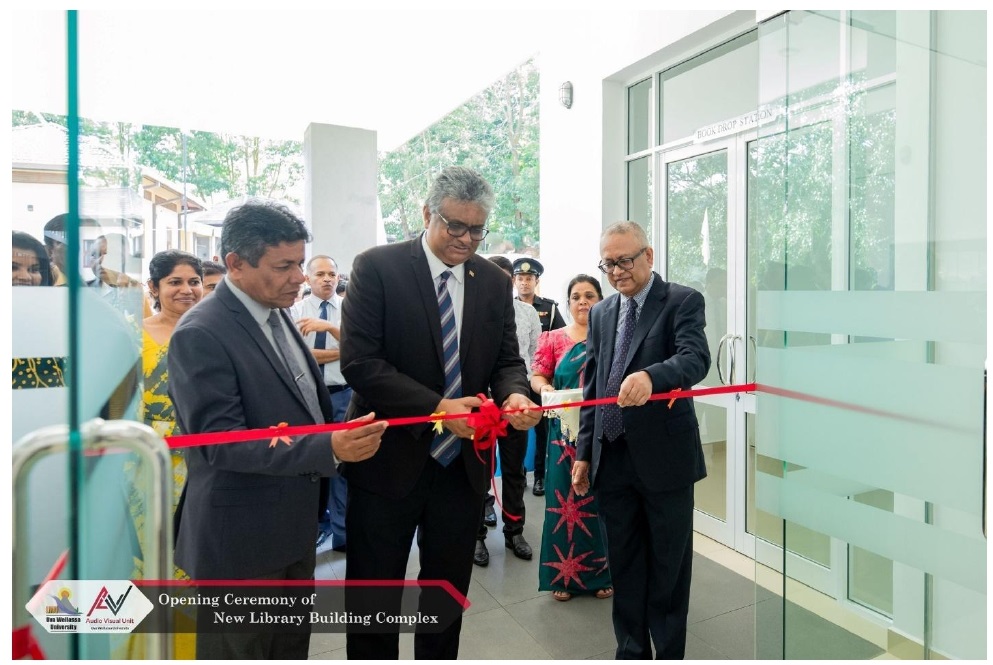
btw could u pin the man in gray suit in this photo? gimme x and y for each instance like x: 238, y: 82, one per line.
x: 236, y: 362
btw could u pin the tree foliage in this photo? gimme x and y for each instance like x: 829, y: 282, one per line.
x: 217, y: 166
x: 496, y: 133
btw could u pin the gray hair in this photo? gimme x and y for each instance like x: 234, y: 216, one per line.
x: 625, y: 227
x: 461, y: 184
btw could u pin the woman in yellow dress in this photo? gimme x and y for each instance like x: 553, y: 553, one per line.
x: 175, y: 284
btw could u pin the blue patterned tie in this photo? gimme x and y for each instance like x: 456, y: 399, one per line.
x: 321, y: 339
x: 613, y: 423
x: 446, y: 447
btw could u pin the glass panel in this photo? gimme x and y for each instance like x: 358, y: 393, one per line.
x: 697, y: 254
x: 639, y: 114
x: 876, y: 297
x: 731, y: 68
x: 640, y: 194
x: 710, y: 494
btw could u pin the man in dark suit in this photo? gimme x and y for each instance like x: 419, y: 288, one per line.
x: 237, y: 362
x: 642, y: 457
x: 426, y: 327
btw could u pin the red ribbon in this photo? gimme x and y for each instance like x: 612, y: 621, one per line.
x: 488, y: 425
x: 24, y: 644
x: 238, y: 436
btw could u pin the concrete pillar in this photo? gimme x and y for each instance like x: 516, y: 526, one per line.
x: 341, y: 202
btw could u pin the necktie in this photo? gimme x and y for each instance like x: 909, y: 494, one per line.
x: 613, y: 423
x: 286, y: 351
x: 321, y: 339
x: 445, y: 446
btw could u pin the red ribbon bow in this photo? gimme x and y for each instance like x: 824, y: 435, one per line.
x: 489, y: 424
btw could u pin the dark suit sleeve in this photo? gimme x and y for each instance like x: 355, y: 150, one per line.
x: 691, y: 361
x: 587, y: 414
x: 205, y: 388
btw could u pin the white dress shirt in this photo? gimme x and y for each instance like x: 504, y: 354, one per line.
x: 311, y: 307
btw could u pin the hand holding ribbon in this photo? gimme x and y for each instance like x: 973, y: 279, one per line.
x: 522, y: 413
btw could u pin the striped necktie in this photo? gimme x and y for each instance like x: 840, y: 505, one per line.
x: 445, y: 446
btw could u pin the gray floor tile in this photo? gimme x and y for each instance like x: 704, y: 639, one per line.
x: 480, y: 599
x: 496, y: 634
x: 323, y: 643
x: 715, y: 590
x: 808, y: 636
x: 606, y: 655
x: 575, y: 629
x: 730, y: 634
x: 697, y: 649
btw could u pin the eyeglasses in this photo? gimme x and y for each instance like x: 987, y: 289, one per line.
x: 625, y: 264
x: 458, y: 229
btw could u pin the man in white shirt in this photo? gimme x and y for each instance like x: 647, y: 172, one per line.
x: 318, y: 316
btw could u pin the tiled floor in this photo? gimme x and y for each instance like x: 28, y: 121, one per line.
x: 510, y: 619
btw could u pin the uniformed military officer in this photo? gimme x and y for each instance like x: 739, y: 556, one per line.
x: 527, y: 271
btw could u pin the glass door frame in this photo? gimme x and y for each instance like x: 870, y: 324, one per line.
x: 729, y: 531
x: 737, y: 357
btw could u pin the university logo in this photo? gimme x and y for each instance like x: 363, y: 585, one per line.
x: 116, y: 606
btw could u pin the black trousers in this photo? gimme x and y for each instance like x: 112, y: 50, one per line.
x: 650, y: 549
x: 512, y: 449
x: 444, y: 510
x: 284, y: 644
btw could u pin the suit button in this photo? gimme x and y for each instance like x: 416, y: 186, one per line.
x: 314, y: 478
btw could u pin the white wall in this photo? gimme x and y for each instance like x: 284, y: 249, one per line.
x: 582, y: 180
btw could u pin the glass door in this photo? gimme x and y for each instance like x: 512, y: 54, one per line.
x: 699, y: 250
x: 92, y: 485
x: 867, y: 237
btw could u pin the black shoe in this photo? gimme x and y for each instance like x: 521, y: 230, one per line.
x: 539, y: 487
x: 489, y: 515
x: 322, y: 536
x: 482, y: 555
x: 520, y: 546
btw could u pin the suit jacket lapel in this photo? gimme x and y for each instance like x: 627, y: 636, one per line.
x: 426, y: 287
x: 649, y: 314
x: 470, y: 294
x: 608, y: 334
x: 254, y: 331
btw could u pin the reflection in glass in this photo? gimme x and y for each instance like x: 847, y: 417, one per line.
x: 640, y: 194
x: 639, y: 113
x: 711, y: 492
x: 697, y: 227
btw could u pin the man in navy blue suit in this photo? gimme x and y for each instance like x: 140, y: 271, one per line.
x: 642, y: 458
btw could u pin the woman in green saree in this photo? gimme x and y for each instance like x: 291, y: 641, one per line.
x: 573, y: 553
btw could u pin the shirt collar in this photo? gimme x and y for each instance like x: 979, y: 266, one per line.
x: 334, y: 300
x: 437, y: 266
x: 258, y: 311
x: 642, y: 295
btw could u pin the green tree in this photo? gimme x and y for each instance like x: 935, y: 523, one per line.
x: 495, y: 132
